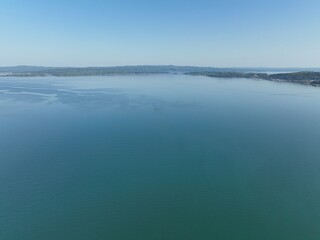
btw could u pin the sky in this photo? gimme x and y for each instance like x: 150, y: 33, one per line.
x: 224, y: 33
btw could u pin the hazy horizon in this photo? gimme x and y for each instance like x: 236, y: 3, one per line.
x: 159, y: 65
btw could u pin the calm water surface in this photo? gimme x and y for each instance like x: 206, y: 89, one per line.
x: 158, y: 157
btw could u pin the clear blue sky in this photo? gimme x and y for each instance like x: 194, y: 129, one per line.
x: 273, y: 33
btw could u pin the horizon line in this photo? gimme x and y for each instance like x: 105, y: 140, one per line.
x: 154, y: 65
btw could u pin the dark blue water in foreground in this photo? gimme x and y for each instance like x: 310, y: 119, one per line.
x: 158, y: 157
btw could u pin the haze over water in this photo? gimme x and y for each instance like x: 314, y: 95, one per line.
x: 158, y: 157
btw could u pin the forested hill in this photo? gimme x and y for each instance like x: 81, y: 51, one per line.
x: 308, y: 78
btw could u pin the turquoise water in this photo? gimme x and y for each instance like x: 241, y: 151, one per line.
x: 158, y: 157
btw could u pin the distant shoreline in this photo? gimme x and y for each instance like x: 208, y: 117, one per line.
x: 302, y: 77
x: 305, y: 78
